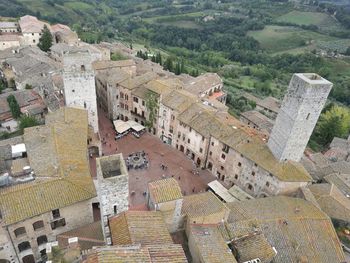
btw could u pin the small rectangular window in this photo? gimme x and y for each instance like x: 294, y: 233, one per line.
x: 56, y: 213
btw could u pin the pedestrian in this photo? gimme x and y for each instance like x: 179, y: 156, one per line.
x: 179, y: 178
x: 193, y: 189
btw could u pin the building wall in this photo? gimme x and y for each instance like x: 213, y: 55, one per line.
x: 139, y: 110
x: 113, y: 193
x: 125, y: 103
x: 7, y: 251
x: 232, y: 168
x: 166, y: 123
x: 297, y: 117
x: 30, y: 39
x: 195, y: 145
x: 75, y: 216
x: 79, y: 85
x: 9, y: 44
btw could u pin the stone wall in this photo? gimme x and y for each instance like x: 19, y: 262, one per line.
x: 113, y: 192
x: 301, y: 107
x: 75, y: 216
x: 79, y: 84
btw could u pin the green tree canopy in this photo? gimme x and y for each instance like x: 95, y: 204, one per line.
x: 14, y: 106
x: 333, y: 123
x: 27, y: 121
x: 45, y: 41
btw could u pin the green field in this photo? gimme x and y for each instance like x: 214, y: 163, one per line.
x: 322, y: 20
x: 182, y: 23
x: 284, y: 38
x: 77, y: 5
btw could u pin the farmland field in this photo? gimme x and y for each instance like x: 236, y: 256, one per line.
x: 323, y: 21
x: 284, y: 38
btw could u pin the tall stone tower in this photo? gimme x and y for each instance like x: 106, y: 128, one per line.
x: 306, y: 96
x: 79, y: 84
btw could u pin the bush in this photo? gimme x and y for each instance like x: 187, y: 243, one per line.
x: 14, y: 106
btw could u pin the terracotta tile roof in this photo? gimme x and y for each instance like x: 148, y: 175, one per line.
x: 135, y: 82
x: 270, y: 103
x: 164, y: 190
x: 163, y: 253
x: 30, y: 24
x: 144, y: 227
x: 298, y: 230
x: 107, y: 64
x: 258, y: 119
x: 332, y: 201
x: 160, y: 87
x: 203, y: 204
x: 167, y: 253
x: 9, y: 37
x: 88, y: 236
x: 341, y: 181
x: 210, y: 246
x: 179, y: 100
x: 119, y: 254
x: 24, y: 99
x: 57, y: 155
x: 203, y: 82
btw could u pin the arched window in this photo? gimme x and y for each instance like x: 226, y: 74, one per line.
x: 20, y: 231
x: 23, y: 246
x: 41, y: 240
x: 38, y: 225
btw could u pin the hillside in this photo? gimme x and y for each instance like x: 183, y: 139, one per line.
x: 255, y: 45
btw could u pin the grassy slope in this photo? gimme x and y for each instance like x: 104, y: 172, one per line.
x: 282, y: 38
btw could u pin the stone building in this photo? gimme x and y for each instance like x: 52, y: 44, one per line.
x: 31, y: 30
x: 30, y: 103
x: 112, y: 188
x: 8, y: 41
x: 48, y: 189
x: 165, y: 196
x: 79, y: 84
x: 306, y: 95
x: 270, y: 106
x: 207, y: 85
x: 9, y: 27
x: 257, y: 120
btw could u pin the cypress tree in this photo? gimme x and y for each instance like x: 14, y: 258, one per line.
x: 45, y: 41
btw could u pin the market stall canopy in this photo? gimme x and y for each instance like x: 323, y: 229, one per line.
x: 221, y: 191
x: 135, y: 126
x: 121, y: 126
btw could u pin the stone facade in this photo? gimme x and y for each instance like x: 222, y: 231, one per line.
x: 112, y: 188
x: 301, y: 107
x: 79, y: 84
x: 232, y: 168
x: 28, y: 238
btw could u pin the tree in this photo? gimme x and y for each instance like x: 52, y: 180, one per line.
x: 27, y: 121
x: 2, y: 86
x: 177, y: 68
x: 14, y: 106
x: 333, y: 123
x: 347, y: 52
x: 45, y: 41
x: 168, y: 64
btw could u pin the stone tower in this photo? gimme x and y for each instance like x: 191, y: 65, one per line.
x: 306, y: 96
x: 79, y: 84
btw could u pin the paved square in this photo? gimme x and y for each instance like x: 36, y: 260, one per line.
x: 178, y: 165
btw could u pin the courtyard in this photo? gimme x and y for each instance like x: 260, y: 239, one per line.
x: 164, y: 161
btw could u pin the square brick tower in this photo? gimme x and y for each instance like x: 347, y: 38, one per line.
x: 79, y: 84
x: 306, y: 96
